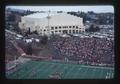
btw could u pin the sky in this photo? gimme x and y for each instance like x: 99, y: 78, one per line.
x: 95, y: 8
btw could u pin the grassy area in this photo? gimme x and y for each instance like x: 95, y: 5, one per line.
x: 42, y: 69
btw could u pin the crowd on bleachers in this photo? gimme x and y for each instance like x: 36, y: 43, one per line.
x: 92, y: 51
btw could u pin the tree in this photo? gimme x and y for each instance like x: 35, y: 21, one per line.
x: 97, y: 28
x: 35, y: 32
x: 44, y: 40
x: 29, y: 49
x: 91, y: 12
x: 7, y: 25
x: 93, y: 28
x: 59, y: 11
x: 29, y: 31
x: 17, y: 29
x: 11, y: 17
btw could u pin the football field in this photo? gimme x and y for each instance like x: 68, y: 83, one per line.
x: 42, y: 70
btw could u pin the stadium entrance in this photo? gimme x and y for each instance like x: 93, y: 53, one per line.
x: 65, y: 32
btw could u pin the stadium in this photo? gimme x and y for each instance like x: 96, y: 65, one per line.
x: 72, y: 57
x: 59, y: 45
x: 52, y: 23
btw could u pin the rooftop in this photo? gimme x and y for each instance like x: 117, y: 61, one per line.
x: 40, y: 15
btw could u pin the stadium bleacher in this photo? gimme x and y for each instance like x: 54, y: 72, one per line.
x: 89, y: 57
x: 94, y: 51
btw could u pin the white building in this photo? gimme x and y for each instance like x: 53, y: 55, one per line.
x: 52, y: 23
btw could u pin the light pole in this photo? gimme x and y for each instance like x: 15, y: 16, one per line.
x: 48, y: 17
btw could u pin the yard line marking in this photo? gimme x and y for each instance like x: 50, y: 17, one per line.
x: 98, y: 67
x: 111, y: 74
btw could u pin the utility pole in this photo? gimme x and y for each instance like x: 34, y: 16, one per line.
x: 48, y: 17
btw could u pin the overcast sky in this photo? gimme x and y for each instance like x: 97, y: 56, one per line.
x: 95, y: 8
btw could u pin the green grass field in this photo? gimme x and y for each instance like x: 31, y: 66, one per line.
x: 42, y: 69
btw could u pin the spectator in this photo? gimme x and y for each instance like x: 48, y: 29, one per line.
x: 93, y: 51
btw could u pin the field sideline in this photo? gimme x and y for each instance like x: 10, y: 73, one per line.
x: 42, y: 70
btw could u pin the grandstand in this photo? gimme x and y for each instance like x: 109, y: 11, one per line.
x: 70, y: 57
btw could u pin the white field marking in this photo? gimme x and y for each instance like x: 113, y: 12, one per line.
x: 106, y: 77
x: 98, y: 67
x: 112, y: 75
x: 108, y: 74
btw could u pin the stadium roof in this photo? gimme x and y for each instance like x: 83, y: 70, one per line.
x: 56, y: 19
x: 44, y: 15
x: 40, y: 15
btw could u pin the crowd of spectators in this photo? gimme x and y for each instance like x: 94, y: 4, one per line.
x: 88, y: 50
x: 91, y: 51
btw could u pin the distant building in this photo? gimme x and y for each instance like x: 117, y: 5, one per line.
x: 52, y: 23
